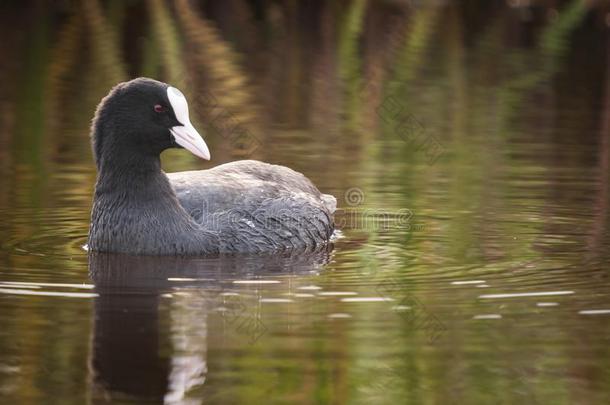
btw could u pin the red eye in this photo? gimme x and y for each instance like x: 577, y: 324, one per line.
x: 159, y: 108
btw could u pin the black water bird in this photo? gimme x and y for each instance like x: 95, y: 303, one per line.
x: 243, y: 206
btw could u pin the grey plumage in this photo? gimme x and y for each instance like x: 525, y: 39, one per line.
x: 244, y: 206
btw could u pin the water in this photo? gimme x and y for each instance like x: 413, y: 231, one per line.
x: 472, y: 269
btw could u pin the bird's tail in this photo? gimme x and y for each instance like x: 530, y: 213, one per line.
x: 330, y: 202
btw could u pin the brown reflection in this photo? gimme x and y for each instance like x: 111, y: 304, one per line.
x: 603, y: 176
x: 145, y: 348
x: 512, y: 89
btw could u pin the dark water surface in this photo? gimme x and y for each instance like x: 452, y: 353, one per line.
x: 468, y: 148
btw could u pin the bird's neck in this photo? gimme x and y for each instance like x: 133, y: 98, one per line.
x: 132, y: 173
x: 135, y: 209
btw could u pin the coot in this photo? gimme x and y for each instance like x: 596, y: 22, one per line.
x: 244, y: 206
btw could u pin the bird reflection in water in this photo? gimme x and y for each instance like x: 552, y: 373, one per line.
x: 150, y: 330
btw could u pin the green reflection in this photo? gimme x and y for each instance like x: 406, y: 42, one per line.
x: 516, y: 200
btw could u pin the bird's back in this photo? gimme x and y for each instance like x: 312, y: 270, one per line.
x: 255, y: 206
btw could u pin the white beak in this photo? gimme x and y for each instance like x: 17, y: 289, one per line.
x: 186, y: 135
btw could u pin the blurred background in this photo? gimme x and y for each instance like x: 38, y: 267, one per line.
x: 318, y: 70
x: 487, y: 121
